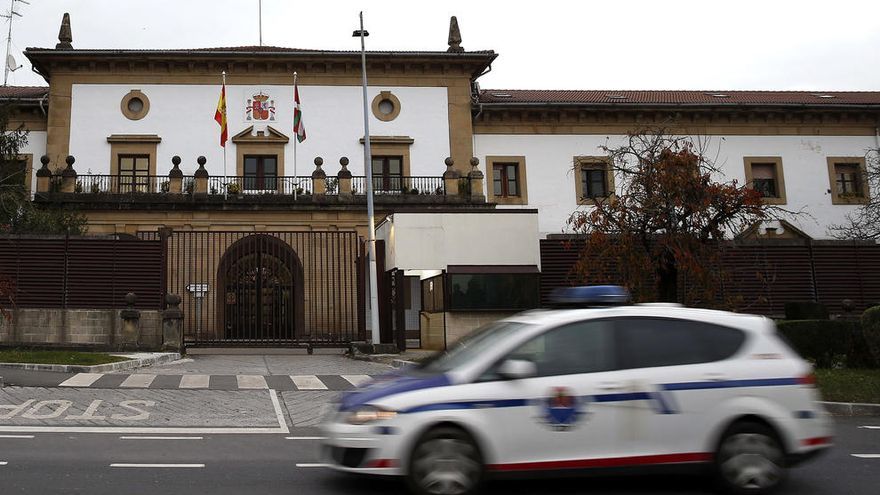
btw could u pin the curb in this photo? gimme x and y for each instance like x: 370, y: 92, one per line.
x: 137, y: 362
x: 851, y: 409
x: 392, y: 360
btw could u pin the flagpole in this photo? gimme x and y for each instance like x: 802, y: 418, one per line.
x: 225, y: 178
x: 295, y: 140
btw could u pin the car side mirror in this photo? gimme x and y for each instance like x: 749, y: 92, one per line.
x: 516, y: 369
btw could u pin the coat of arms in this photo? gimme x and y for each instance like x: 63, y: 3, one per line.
x: 562, y: 409
x: 260, y: 107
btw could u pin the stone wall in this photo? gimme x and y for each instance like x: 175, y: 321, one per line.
x: 431, y: 325
x: 98, y: 328
x: 459, y: 324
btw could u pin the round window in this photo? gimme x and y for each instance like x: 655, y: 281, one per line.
x: 386, y: 107
x: 135, y: 105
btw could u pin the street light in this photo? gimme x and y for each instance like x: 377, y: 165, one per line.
x: 368, y: 166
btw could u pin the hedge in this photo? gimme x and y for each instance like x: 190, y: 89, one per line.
x: 828, y: 343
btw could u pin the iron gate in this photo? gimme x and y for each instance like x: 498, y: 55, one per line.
x: 294, y: 289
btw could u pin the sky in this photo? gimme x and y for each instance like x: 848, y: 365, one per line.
x: 550, y: 44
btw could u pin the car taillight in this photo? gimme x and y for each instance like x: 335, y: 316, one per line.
x: 808, y: 379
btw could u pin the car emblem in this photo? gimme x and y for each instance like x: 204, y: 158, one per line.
x: 562, y: 409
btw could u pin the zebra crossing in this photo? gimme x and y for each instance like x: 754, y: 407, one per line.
x: 215, y: 382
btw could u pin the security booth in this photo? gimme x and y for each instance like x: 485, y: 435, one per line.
x: 459, y: 271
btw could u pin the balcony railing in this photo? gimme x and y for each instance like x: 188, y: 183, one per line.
x: 121, y: 184
x: 285, y: 185
x: 388, y: 185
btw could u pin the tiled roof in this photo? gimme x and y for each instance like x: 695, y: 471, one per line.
x: 23, y: 92
x: 674, y: 97
x: 252, y: 49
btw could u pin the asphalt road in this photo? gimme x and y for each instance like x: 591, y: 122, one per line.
x: 77, y: 463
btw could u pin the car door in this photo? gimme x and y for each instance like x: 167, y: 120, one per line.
x: 675, y: 372
x: 552, y: 420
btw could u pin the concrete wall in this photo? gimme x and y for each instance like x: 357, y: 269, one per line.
x: 551, y: 182
x: 433, y: 241
x: 182, y: 115
x: 100, y: 328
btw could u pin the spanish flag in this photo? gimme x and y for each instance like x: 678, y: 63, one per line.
x: 220, y: 116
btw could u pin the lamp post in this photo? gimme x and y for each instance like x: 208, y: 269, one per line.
x: 368, y: 167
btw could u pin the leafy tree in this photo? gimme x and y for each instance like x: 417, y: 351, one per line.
x: 18, y: 214
x: 667, y: 223
x: 864, y: 223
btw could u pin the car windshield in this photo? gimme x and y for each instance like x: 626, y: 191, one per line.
x: 472, y: 345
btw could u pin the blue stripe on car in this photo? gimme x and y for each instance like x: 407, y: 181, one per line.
x: 663, y: 401
x: 398, y: 385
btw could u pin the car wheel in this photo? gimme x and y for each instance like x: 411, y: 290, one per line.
x: 750, y: 459
x: 445, y: 461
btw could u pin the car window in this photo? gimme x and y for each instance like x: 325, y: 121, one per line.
x: 652, y: 342
x: 472, y: 346
x: 584, y: 347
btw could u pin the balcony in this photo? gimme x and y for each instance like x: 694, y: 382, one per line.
x: 99, y: 191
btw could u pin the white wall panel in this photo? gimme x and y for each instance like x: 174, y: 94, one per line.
x: 183, y: 116
x: 551, y: 186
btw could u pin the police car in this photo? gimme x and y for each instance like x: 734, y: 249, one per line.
x: 638, y: 386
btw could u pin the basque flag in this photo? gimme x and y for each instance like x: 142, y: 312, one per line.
x: 298, y: 128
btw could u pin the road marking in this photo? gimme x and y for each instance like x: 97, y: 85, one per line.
x: 160, y: 438
x: 251, y: 382
x: 273, y: 395
x: 16, y: 436
x: 124, y: 465
x: 870, y: 427
x: 134, y: 430
x: 356, y: 380
x: 194, y: 381
x: 866, y: 456
x: 308, y: 382
x: 138, y: 381
x: 305, y: 438
x: 311, y: 465
x: 81, y: 380
x: 3, y: 463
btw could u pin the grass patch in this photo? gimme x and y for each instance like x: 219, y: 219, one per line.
x: 849, y: 385
x: 57, y: 357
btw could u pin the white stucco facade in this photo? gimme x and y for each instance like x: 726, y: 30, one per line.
x: 36, y: 147
x: 551, y: 181
x: 183, y: 117
x: 433, y: 241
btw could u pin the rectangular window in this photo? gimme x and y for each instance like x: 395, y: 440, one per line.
x: 848, y: 179
x: 505, y: 179
x: 134, y: 173
x: 764, y: 179
x: 593, y: 181
x: 388, y: 174
x: 764, y: 174
x: 13, y: 173
x: 260, y: 172
x: 492, y: 288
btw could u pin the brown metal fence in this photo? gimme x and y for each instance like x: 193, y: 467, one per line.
x: 82, y: 272
x: 267, y: 288
x: 764, y: 275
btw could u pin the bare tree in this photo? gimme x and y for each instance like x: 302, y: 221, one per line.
x: 667, y: 221
x: 864, y: 223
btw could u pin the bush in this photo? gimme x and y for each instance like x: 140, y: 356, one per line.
x: 828, y: 343
x: 871, y: 330
x: 805, y: 310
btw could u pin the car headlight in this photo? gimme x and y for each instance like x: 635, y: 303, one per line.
x: 368, y: 414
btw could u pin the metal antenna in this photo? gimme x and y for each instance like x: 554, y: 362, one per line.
x: 10, y: 60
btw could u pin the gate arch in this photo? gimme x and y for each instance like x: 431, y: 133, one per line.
x: 260, y: 294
